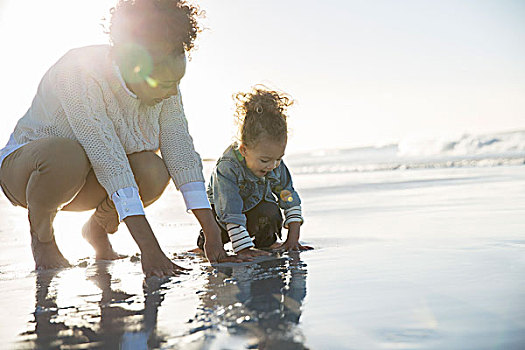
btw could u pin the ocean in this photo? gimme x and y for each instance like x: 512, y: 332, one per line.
x: 418, y: 153
x: 418, y: 245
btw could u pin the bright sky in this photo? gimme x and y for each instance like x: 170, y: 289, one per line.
x: 362, y: 72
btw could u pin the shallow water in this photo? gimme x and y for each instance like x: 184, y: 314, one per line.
x: 418, y: 259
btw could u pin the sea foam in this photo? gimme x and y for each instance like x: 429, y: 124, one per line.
x: 501, y: 149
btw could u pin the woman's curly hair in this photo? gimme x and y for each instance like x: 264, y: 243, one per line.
x: 261, y: 113
x: 152, y: 22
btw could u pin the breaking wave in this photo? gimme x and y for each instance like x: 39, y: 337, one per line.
x: 503, y: 149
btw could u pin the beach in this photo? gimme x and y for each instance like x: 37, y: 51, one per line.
x: 406, y: 257
x: 405, y: 142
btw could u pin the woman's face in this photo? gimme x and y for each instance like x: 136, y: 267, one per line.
x: 162, y: 82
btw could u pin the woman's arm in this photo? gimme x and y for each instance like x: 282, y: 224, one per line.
x: 213, y: 247
x: 154, y: 261
x: 184, y: 165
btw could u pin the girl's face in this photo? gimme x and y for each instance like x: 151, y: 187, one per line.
x: 265, y: 156
x: 163, y: 81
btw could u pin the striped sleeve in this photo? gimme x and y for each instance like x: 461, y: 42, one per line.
x: 239, y: 237
x: 293, y: 214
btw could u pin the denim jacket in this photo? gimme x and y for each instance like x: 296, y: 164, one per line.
x: 234, y: 189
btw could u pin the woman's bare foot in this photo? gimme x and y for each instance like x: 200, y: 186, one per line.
x: 196, y: 251
x: 47, y: 255
x: 99, y: 240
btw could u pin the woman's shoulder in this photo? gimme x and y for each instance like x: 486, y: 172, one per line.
x: 87, y: 58
x: 89, y: 49
x: 87, y: 53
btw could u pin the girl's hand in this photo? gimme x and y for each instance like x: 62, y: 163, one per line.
x: 252, y: 253
x: 215, y: 253
x: 293, y: 246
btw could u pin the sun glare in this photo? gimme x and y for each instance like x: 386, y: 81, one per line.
x: 33, y: 35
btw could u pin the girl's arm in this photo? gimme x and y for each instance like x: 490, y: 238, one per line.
x: 290, y: 201
x: 229, y: 204
x: 292, y: 240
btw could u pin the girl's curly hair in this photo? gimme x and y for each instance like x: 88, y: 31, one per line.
x: 153, y: 22
x: 261, y: 113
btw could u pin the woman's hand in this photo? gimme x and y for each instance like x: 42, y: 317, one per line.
x: 154, y: 261
x: 160, y: 265
x: 215, y: 253
x: 213, y: 247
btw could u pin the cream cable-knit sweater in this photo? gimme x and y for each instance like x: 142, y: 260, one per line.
x: 81, y: 98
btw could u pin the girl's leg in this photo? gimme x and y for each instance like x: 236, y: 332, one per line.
x: 151, y: 176
x: 42, y: 176
x: 264, y: 222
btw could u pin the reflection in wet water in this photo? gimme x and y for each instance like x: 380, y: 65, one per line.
x: 110, y: 322
x: 255, y: 305
x: 260, y: 303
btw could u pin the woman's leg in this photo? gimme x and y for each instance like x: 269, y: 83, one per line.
x: 151, y: 176
x: 42, y: 176
x: 264, y: 222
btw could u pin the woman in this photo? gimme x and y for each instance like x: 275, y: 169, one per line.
x: 90, y: 137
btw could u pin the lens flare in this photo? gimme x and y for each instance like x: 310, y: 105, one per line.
x: 135, y: 63
x: 152, y: 82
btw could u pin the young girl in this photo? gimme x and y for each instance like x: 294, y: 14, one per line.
x: 251, y: 184
x: 90, y: 137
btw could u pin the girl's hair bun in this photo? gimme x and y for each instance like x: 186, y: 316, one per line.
x: 261, y: 112
x: 262, y: 100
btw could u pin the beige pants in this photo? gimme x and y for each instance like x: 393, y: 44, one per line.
x: 54, y: 174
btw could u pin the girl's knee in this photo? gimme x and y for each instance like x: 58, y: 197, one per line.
x: 264, y: 222
x: 269, y: 210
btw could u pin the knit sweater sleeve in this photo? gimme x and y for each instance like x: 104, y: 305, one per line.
x: 83, y: 102
x: 176, y: 145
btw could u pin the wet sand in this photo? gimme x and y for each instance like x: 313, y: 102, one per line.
x: 419, y: 259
